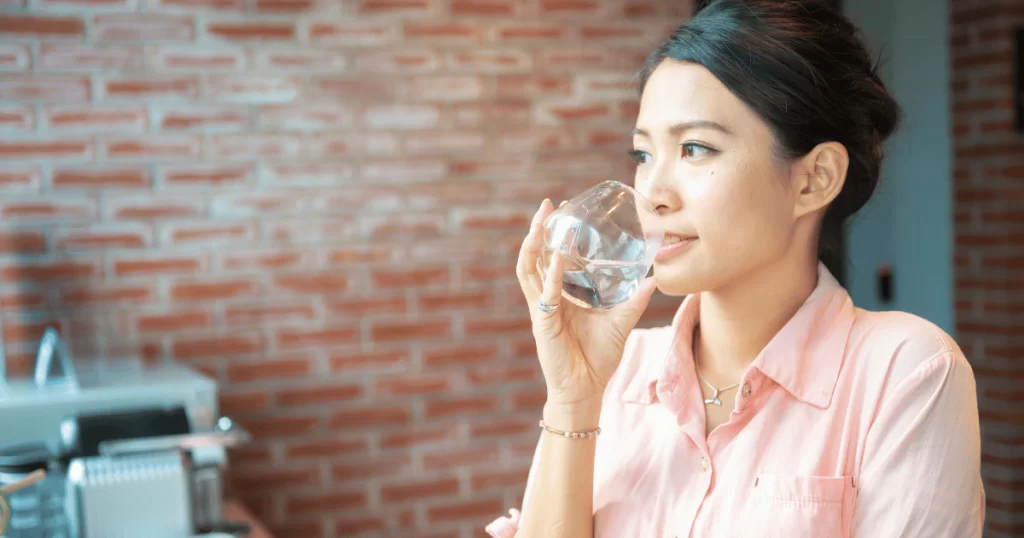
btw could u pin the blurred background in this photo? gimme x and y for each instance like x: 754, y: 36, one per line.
x: 317, y: 204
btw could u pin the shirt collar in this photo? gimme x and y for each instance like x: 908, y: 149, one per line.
x: 804, y: 357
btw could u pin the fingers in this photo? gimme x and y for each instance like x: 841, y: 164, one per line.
x: 526, y: 266
x: 552, y: 293
x: 629, y: 312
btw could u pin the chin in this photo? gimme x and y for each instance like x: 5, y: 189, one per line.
x: 675, y: 280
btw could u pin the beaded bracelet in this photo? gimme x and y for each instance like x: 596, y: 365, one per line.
x: 592, y: 434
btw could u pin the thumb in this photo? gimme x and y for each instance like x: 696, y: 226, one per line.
x: 632, y: 309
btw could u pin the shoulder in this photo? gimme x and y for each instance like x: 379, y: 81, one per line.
x: 893, y: 347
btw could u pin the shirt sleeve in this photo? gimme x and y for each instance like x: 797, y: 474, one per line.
x: 921, y: 470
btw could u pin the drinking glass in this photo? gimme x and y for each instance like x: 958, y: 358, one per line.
x: 608, y: 237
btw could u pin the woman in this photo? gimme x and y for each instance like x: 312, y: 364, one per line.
x: 771, y: 406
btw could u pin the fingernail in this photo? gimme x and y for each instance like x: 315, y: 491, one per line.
x: 542, y: 204
x: 563, y: 203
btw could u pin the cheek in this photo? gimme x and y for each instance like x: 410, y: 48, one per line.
x: 737, y: 209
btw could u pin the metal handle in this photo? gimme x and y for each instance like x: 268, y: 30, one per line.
x: 227, y: 434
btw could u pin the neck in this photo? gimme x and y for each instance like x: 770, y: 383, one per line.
x: 738, y: 321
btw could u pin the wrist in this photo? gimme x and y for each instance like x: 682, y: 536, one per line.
x: 577, y: 416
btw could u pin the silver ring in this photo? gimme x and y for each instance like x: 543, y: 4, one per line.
x: 547, y: 308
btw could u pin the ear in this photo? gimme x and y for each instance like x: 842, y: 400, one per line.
x: 818, y: 177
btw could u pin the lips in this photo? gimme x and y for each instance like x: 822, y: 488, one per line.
x: 673, y: 245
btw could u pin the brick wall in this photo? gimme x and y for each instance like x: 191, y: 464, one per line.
x: 319, y: 203
x: 989, y: 243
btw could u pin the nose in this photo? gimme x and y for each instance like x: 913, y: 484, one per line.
x: 661, y: 190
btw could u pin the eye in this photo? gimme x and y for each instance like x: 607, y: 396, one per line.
x: 696, y: 150
x: 639, y: 157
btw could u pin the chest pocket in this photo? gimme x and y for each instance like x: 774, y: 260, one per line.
x: 785, y: 506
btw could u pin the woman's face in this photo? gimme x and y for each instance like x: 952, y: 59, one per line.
x: 709, y: 165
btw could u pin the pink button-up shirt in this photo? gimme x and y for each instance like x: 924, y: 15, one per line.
x: 848, y: 424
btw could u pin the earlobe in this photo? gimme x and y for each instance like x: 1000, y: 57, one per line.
x: 823, y: 175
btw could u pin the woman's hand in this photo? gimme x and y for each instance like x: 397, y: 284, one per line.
x: 579, y: 349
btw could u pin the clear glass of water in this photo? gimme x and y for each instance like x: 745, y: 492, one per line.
x: 608, y: 237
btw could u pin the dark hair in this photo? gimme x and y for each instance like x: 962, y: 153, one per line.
x: 804, y: 68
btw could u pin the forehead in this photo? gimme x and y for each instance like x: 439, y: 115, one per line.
x: 682, y: 91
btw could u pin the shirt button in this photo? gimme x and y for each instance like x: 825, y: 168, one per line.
x: 746, y: 389
x: 704, y: 464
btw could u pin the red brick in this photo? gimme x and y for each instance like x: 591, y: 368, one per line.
x: 533, y: 86
x: 151, y: 148
x: 452, y: 301
x: 300, y: 60
x: 406, y: 278
x: 101, y: 178
x: 107, y: 294
x: 490, y: 61
x: 530, y: 399
x: 39, y: 26
x: 444, y: 88
x: 640, y: 9
x: 173, y: 321
x: 213, y: 290
x: 359, y: 255
x: 49, y: 271
x: 417, y: 437
x: 401, y: 117
x: 394, y: 7
x: 312, y: 283
x: 351, y: 33
x: 206, y: 175
x: 281, y: 426
x: 103, y: 237
x: 157, y: 265
x: 392, y: 331
x: 261, y: 31
x: 262, y: 260
x: 252, y: 89
x: 285, y: 6
x: 328, y: 448
x: 358, y: 471
x: 319, y: 394
x: 449, y: 356
x: 475, y: 509
x: 489, y: 8
x: 48, y: 209
x: 274, y: 481
x: 368, y: 416
x: 420, y: 489
x: 217, y: 346
x: 206, y: 233
x: 503, y: 428
x: 148, y: 88
x: 14, y: 118
x: 285, y: 367
x: 355, y: 525
x: 615, y: 32
x: 488, y: 455
x: 562, y: 113
x: 291, y: 337
x: 403, y: 61
x: 530, y: 32
x: 250, y: 146
x: 21, y: 301
x: 239, y: 402
x: 203, y: 117
x: 141, y: 26
x: 358, y: 307
x: 153, y: 207
x: 80, y: 57
x: 95, y: 118
x: 459, y: 406
x: 217, y: 5
x: 498, y: 375
x: 63, y: 88
x: 196, y: 59
x: 269, y: 313
x: 495, y: 219
x: 352, y: 361
x: 411, y: 384
x: 492, y: 168
x: 22, y: 242
x: 443, y: 32
x: 45, y: 149
x: 20, y: 178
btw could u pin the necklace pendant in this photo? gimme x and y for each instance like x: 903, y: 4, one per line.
x: 714, y: 399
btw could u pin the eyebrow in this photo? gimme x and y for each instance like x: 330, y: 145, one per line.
x: 678, y: 128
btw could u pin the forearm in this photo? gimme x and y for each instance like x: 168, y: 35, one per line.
x: 560, y: 502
